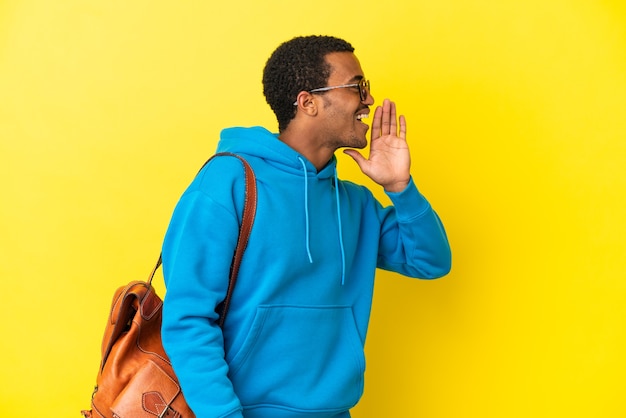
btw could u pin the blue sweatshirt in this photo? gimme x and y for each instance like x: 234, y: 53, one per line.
x: 292, y: 344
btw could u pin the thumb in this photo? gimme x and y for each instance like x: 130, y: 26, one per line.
x: 356, y: 156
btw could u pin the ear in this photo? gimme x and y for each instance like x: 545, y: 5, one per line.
x: 306, y: 103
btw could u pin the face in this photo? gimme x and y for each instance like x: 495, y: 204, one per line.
x: 342, y: 108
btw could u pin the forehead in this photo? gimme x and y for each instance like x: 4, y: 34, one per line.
x: 345, y: 67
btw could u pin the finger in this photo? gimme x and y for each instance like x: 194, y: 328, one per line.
x: 393, y: 128
x: 376, y: 123
x: 386, y: 117
x: 402, y: 127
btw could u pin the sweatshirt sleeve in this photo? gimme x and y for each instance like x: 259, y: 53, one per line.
x: 413, y: 240
x: 197, y: 253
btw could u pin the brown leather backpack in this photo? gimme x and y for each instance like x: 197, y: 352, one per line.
x: 136, y: 379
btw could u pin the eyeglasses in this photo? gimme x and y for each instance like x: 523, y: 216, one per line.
x: 363, y: 85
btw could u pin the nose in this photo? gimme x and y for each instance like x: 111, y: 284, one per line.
x: 369, y: 100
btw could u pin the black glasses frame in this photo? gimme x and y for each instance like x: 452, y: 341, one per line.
x: 363, y: 85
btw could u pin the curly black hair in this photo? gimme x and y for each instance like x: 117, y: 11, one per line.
x: 297, y: 65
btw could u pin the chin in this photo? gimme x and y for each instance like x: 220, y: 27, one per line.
x: 353, y: 141
x: 359, y: 143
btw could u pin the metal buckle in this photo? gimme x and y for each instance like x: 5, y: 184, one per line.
x: 165, y: 411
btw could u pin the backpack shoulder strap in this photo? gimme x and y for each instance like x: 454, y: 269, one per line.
x: 247, y: 220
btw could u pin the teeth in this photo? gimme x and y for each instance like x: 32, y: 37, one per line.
x: 362, y: 116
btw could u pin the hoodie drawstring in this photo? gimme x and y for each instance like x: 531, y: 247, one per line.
x: 307, y: 226
x: 343, y: 253
x: 306, y: 209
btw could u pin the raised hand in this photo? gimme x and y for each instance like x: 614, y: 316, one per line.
x: 389, y: 158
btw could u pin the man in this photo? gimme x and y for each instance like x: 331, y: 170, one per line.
x: 292, y: 344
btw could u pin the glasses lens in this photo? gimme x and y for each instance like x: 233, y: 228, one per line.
x: 364, y: 88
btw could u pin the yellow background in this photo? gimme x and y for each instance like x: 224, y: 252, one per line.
x: 516, y: 113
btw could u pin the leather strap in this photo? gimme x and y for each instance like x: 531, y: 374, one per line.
x: 247, y: 220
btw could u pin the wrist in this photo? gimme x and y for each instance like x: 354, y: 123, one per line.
x: 396, y: 187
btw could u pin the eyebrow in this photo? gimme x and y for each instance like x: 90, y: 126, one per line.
x: 356, y: 79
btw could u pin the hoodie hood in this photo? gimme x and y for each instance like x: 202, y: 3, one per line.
x: 261, y: 143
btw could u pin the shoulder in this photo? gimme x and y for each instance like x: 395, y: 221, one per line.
x: 220, y: 170
x: 221, y: 180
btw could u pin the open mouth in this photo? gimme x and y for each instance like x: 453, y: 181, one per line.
x: 362, y: 116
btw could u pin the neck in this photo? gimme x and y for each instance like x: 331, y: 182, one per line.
x: 319, y: 156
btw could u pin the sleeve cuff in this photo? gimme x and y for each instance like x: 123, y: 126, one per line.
x: 409, y: 203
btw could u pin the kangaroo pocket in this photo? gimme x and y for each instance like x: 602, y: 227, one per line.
x: 306, y: 358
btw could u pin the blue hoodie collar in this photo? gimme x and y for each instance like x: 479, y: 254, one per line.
x: 259, y: 142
